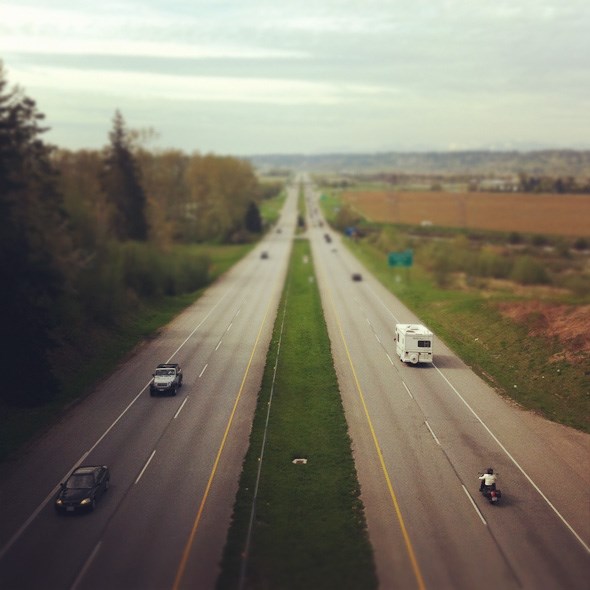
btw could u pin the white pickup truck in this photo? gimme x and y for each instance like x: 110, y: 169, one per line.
x: 413, y: 343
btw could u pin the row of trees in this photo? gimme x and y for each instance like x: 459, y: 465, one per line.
x: 87, y: 234
x: 547, y: 184
x: 165, y: 197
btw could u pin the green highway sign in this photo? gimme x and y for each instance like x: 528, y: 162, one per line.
x: 400, y: 258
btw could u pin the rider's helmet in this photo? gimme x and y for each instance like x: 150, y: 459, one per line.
x: 490, y: 471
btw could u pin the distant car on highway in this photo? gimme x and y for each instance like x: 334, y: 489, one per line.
x: 264, y: 255
x: 357, y: 276
x: 167, y: 379
x: 83, y: 488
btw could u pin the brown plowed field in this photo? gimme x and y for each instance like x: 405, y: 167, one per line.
x: 566, y: 215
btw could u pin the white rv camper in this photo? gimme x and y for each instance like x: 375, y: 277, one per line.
x: 413, y: 343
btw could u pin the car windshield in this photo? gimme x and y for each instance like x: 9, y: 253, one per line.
x: 80, y: 481
x: 161, y: 372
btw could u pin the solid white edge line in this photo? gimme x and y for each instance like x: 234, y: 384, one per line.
x: 407, y: 389
x: 54, y: 491
x: 199, y: 325
x: 515, y: 462
x: 432, y: 432
x: 474, y: 505
x: 145, y: 467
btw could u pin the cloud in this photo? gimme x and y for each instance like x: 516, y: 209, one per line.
x: 216, y: 89
x: 129, y: 48
x: 67, y: 31
x: 378, y: 71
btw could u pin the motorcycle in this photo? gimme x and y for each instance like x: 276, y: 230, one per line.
x: 492, y: 494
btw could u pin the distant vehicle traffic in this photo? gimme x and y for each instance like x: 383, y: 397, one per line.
x: 264, y: 255
x: 413, y: 343
x: 167, y: 379
x: 83, y: 488
x: 357, y: 276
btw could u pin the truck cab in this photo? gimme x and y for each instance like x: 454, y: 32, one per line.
x: 413, y: 343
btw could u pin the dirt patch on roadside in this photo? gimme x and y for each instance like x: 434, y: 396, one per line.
x: 569, y: 324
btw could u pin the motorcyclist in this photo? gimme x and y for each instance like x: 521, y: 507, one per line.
x: 488, y: 480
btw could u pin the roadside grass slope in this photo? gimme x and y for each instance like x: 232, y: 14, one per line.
x: 520, y: 361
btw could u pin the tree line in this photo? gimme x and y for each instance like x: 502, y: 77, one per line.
x: 89, y: 233
x: 547, y: 184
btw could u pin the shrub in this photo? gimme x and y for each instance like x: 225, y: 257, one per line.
x: 346, y: 217
x: 389, y: 240
x: 491, y: 264
x: 539, y: 241
x: 144, y: 268
x: 528, y: 271
x: 100, y: 286
x: 579, y: 285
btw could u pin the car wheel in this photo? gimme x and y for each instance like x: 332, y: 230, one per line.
x: 93, y: 504
x: 107, y: 485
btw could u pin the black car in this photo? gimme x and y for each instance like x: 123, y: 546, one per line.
x: 83, y: 488
x: 357, y: 276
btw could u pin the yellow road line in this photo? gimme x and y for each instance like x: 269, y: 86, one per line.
x: 189, y: 543
x: 408, y: 543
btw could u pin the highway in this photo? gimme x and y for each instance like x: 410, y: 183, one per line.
x: 421, y: 435
x: 175, y: 461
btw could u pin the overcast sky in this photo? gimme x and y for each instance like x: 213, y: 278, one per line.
x: 306, y: 76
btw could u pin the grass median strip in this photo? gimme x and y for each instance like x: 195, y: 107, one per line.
x: 308, y: 529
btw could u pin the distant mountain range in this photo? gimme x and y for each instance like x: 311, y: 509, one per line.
x: 554, y: 163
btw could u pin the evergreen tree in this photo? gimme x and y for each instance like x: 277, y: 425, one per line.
x: 34, y: 248
x: 122, y: 186
x: 253, y: 221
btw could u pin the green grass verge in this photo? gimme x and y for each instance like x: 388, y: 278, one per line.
x: 104, y: 348
x: 309, y: 529
x: 270, y: 209
x: 501, y: 351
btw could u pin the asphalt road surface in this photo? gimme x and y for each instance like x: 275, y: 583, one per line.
x: 421, y: 435
x: 175, y: 461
